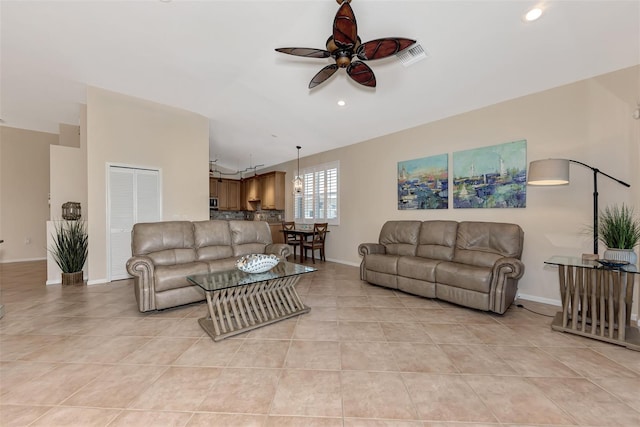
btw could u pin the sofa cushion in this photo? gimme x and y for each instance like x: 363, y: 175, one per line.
x: 248, y: 248
x: 150, y: 237
x: 243, y: 232
x: 173, y: 256
x: 383, y: 263
x: 483, y: 243
x: 417, y: 268
x: 175, y: 276
x: 249, y: 237
x: 222, y: 264
x: 212, y: 240
x: 464, y: 276
x: 437, y: 240
x: 400, y: 237
x: 211, y: 233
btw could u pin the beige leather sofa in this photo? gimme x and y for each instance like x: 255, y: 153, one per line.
x: 474, y: 264
x: 165, y: 253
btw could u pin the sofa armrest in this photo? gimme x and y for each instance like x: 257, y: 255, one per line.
x: 371, y: 248
x: 508, y: 268
x: 280, y: 249
x: 142, y: 270
x: 504, y: 286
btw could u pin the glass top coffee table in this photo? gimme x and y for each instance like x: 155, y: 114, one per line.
x: 239, y: 302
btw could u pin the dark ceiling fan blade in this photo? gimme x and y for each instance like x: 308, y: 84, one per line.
x: 345, y: 28
x: 323, y: 75
x: 361, y: 73
x: 307, y: 52
x: 381, y: 48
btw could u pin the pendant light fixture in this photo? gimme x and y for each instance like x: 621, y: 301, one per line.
x: 297, y: 182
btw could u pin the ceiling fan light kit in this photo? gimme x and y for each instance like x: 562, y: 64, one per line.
x: 348, y: 51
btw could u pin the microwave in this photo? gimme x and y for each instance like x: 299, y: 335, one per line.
x: 213, y: 203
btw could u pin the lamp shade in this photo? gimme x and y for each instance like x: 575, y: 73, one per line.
x: 549, y: 172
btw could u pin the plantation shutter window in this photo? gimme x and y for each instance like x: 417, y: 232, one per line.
x: 319, y: 200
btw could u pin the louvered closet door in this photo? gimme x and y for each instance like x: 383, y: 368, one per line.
x: 134, y: 196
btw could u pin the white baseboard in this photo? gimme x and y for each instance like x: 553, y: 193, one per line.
x: 9, y: 261
x: 90, y: 282
x: 339, y: 261
x: 534, y: 298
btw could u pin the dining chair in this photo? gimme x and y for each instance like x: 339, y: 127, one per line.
x: 291, y: 239
x: 317, y: 242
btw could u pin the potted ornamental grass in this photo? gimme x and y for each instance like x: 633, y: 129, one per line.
x: 70, y: 250
x: 619, y: 230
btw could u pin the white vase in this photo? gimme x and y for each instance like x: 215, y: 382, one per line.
x: 628, y: 255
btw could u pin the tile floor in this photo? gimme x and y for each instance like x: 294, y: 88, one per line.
x: 363, y: 356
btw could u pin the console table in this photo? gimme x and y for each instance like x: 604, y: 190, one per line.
x: 596, y: 301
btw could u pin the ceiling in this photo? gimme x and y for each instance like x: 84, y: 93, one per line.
x: 217, y: 59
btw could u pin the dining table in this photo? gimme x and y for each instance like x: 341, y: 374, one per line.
x: 302, y: 235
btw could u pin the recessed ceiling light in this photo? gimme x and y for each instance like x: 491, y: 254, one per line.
x: 533, y: 14
x: 342, y: 103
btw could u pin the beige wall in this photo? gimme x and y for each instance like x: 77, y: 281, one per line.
x: 590, y: 121
x: 129, y: 131
x: 68, y: 182
x: 24, y: 193
x: 69, y: 135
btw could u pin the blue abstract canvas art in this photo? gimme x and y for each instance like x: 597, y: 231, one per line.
x: 424, y: 183
x: 491, y: 177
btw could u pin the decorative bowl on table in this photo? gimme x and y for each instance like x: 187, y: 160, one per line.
x: 613, y: 263
x: 257, y: 263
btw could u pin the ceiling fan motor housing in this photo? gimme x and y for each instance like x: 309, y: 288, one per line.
x: 343, y: 58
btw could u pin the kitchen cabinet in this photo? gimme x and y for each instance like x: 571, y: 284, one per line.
x: 272, y: 190
x: 228, y: 194
x: 267, y: 188
x: 213, y: 187
x: 251, y: 192
x: 233, y: 195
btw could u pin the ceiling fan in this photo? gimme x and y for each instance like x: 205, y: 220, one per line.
x: 346, y: 48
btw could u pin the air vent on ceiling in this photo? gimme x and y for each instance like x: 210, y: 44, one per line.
x: 412, y: 55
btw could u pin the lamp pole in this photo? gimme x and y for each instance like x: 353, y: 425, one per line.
x: 597, y: 171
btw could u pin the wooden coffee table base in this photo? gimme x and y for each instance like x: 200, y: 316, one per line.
x: 596, y: 303
x: 233, y: 311
x: 631, y: 340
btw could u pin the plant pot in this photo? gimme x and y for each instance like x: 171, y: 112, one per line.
x: 628, y: 255
x: 72, y: 279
